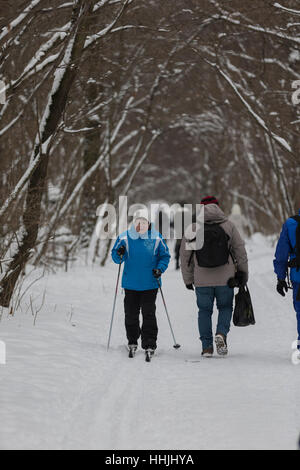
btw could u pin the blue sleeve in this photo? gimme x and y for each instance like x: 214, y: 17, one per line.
x: 163, y: 256
x: 283, y: 250
x: 117, y: 258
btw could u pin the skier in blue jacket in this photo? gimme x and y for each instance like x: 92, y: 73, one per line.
x: 146, y: 257
x: 288, y: 255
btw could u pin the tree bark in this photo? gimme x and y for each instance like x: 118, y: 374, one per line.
x: 82, y: 12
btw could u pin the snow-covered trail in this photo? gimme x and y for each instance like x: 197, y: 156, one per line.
x: 61, y: 389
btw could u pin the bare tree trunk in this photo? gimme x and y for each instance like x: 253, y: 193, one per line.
x: 58, y: 97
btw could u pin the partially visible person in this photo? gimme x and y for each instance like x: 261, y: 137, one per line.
x: 239, y: 220
x: 221, y: 260
x: 181, y: 222
x: 287, y: 255
x: 162, y: 223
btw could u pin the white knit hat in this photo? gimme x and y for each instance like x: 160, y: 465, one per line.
x: 141, y: 214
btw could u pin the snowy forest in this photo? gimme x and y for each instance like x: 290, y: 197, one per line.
x: 165, y: 100
x: 139, y: 98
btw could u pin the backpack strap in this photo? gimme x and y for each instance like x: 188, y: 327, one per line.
x: 232, y: 257
x: 297, y: 247
x: 192, y: 252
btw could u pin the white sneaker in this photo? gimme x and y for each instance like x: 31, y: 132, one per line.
x: 221, y: 345
x: 296, y: 357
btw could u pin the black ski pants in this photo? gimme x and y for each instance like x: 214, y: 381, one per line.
x: 134, y: 302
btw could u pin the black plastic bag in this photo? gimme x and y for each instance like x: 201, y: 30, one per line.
x: 243, y: 314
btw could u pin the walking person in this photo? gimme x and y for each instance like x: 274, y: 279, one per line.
x: 146, y: 257
x: 213, y: 271
x: 181, y: 222
x: 287, y: 255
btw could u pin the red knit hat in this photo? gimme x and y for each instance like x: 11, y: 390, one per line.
x: 209, y: 200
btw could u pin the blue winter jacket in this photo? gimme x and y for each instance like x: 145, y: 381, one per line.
x: 285, y: 250
x: 144, y: 252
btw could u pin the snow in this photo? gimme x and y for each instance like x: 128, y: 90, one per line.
x: 60, y: 35
x: 280, y: 140
x: 289, y: 10
x: 35, y: 159
x: 294, y: 55
x: 19, y: 19
x: 21, y: 183
x: 61, y: 388
x: 273, y: 32
x: 58, y: 77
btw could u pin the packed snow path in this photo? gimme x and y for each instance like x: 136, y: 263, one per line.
x: 61, y: 389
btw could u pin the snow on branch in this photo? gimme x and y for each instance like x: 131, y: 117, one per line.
x: 26, y: 102
x: 254, y: 203
x: 100, y: 5
x: 42, y: 51
x: 83, y: 129
x: 59, y: 7
x: 98, y: 164
x: 58, y: 77
x: 91, y: 39
x: 21, y: 183
x: 155, y: 135
x: 288, y: 10
x: 40, y: 148
x: 16, y: 22
x: 122, y: 120
x: 280, y: 140
x: 226, y: 16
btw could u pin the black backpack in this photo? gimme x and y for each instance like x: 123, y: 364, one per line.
x: 215, y: 251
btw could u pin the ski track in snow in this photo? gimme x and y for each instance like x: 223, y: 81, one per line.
x: 61, y: 388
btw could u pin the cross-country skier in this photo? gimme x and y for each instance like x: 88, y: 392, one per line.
x: 288, y: 255
x: 213, y: 272
x: 146, y: 257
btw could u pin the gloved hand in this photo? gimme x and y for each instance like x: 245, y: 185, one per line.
x: 189, y: 286
x: 232, y: 282
x: 241, y: 278
x: 156, y: 273
x: 281, y: 287
x: 121, y: 251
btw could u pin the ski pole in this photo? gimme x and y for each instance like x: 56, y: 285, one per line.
x: 114, y: 305
x: 175, y: 345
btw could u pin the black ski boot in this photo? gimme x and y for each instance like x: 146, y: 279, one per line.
x: 132, y: 350
x: 149, y: 353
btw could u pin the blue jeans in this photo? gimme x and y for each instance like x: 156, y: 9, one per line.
x: 296, y: 286
x: 205, y: 301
